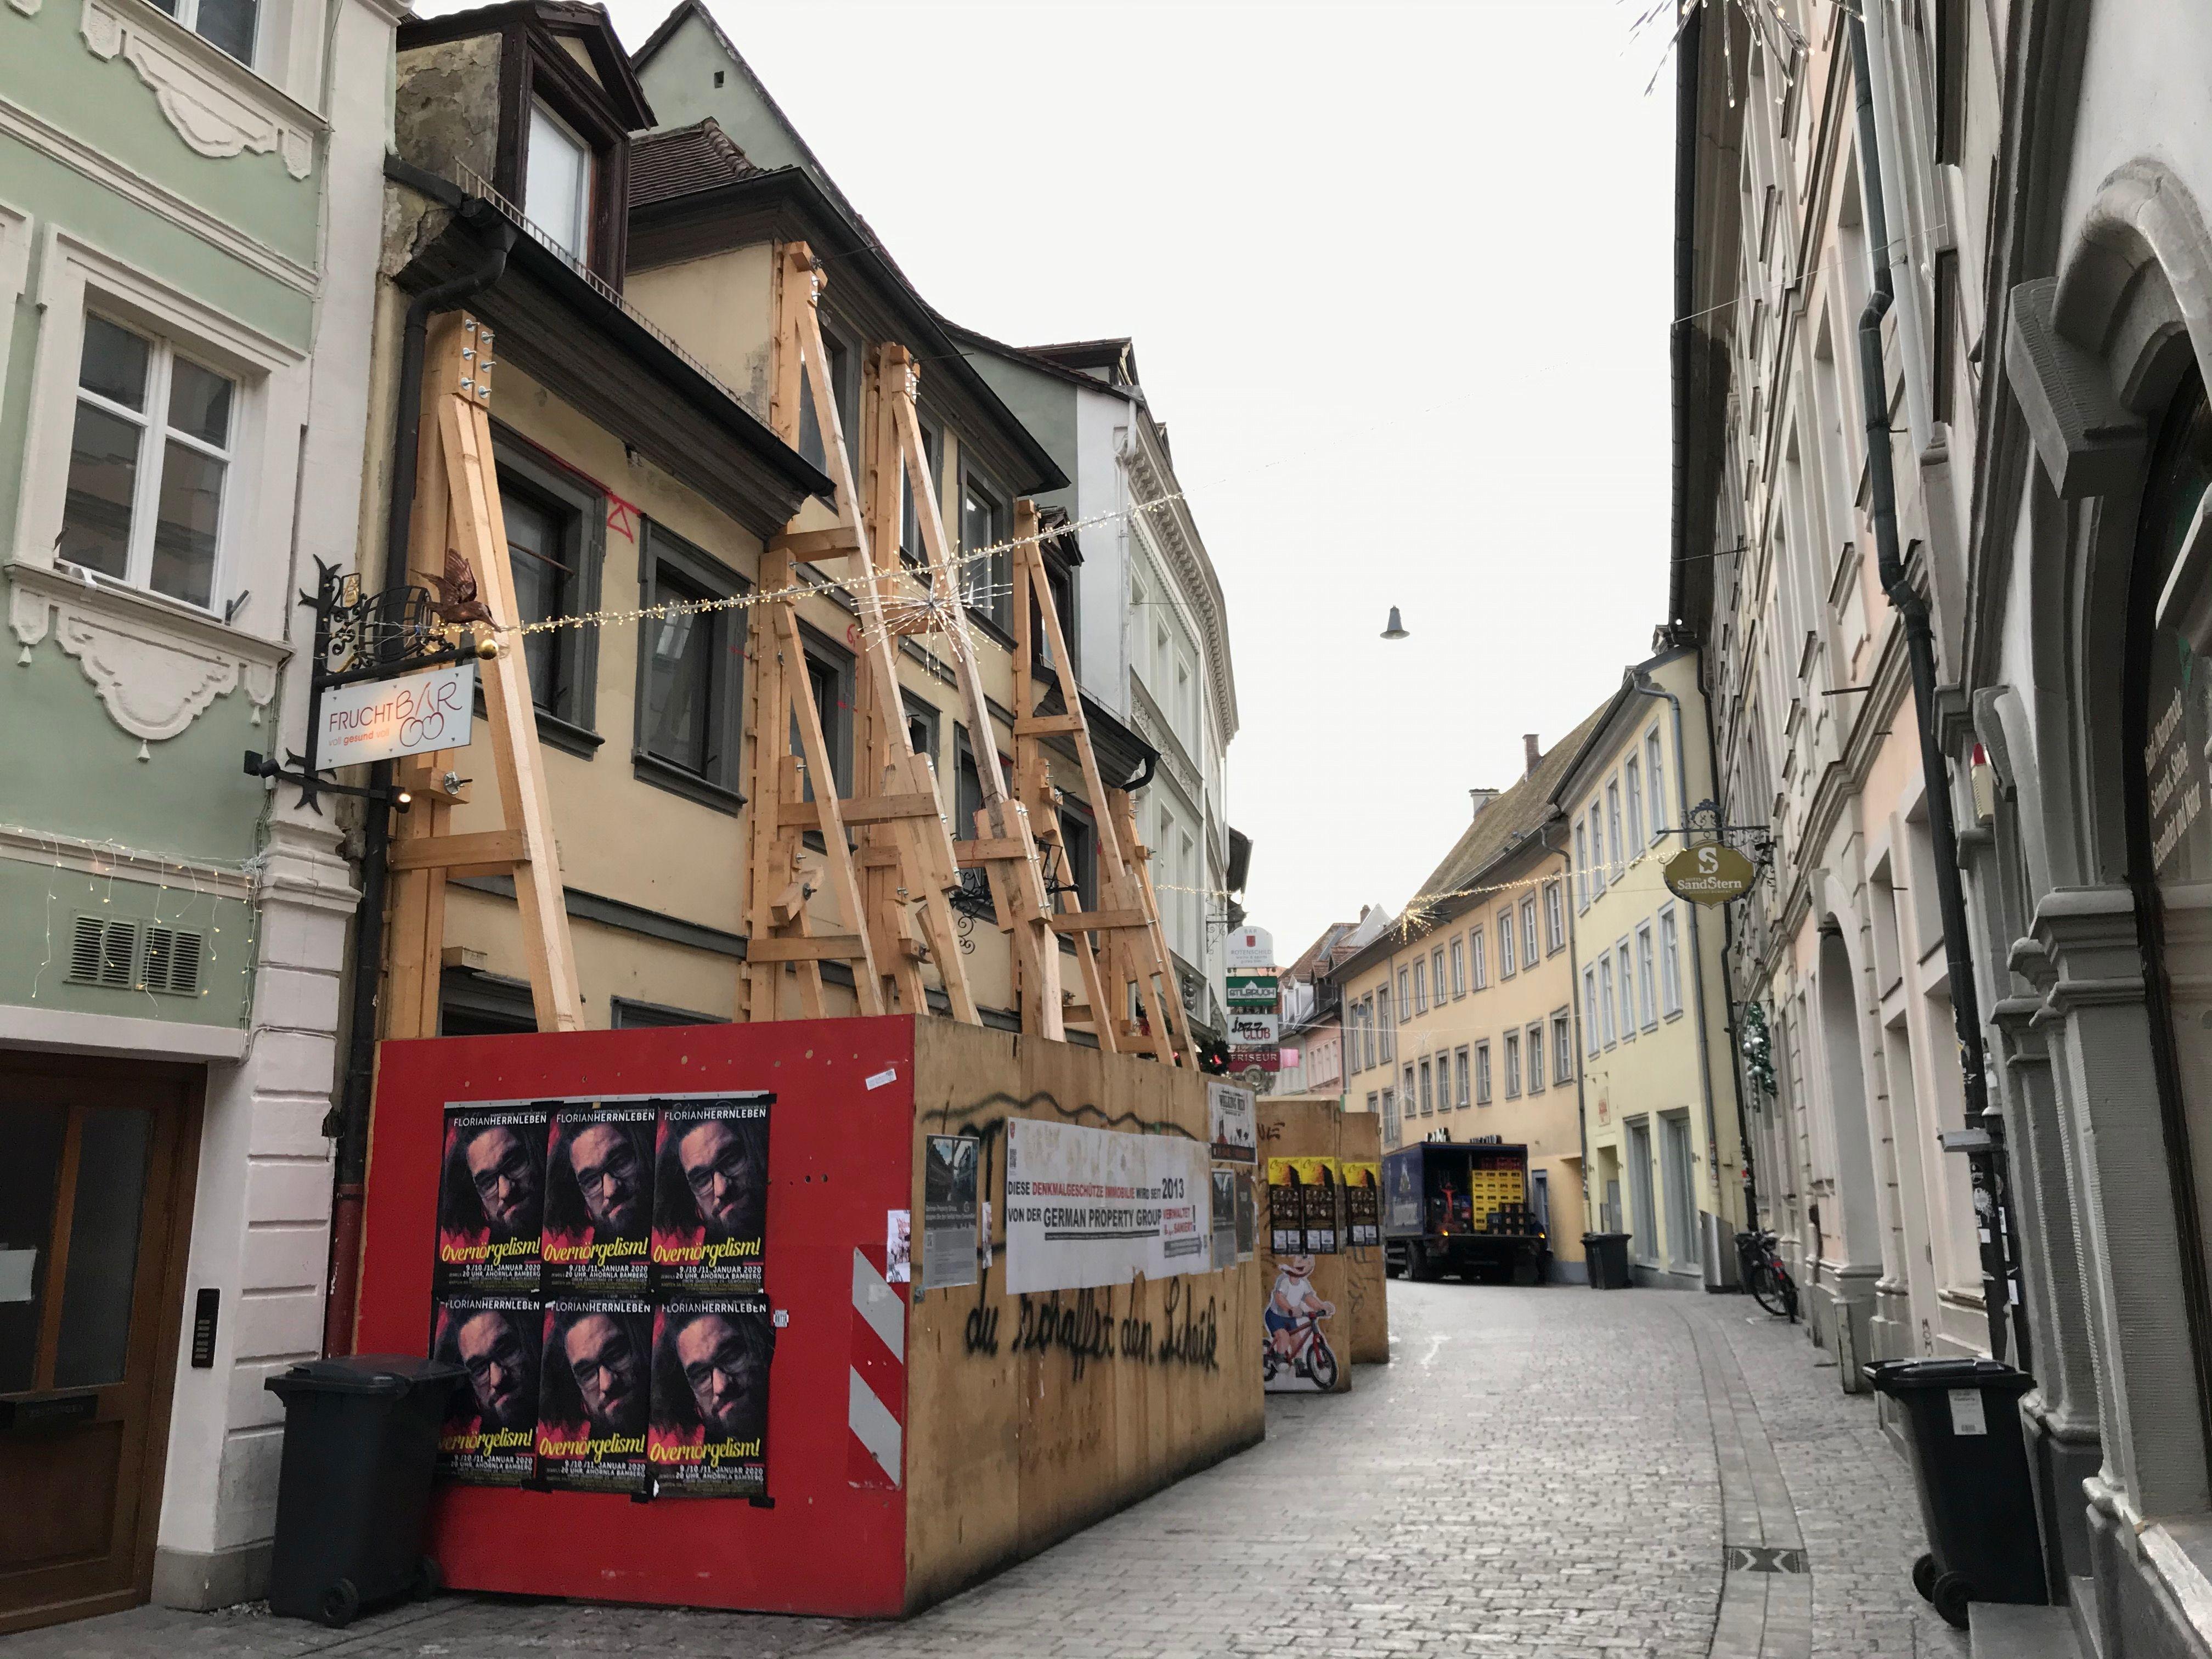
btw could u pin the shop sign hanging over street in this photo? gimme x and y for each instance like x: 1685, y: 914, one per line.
x: 383, y: 720
x: 1253, y: 990
x: 1251, y: 949
x: 1710, y: 874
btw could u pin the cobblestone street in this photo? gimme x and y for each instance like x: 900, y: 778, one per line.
x: 1544, y: 1472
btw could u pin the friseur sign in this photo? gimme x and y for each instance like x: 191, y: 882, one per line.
x: 1711, y: 874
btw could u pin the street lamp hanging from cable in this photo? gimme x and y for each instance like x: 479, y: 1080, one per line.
x: 1396, y: 630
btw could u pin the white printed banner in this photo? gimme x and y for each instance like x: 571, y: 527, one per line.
x: 1098, y: 1207
x: 413, y: 714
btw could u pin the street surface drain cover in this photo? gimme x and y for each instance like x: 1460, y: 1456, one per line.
x: 1759, y: 1558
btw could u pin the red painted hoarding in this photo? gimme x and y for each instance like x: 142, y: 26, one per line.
x: 830, y: 1537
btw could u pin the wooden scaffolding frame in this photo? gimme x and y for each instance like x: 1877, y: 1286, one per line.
x: 457, y: 511
x: 906, y: 856
x: 1130, y: 966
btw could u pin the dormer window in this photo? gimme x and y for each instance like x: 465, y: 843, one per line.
x: 557, y: 197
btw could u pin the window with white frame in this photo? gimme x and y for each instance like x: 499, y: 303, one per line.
x: 1591, y: 1021
x: 557, y: 190
x: 1389, y: 1047
x: 1458, y: 968
x: 1404, y: 994
x: 228, y: 25
x: 1597, y: 852
x: 1627, y: 991
x: 1459, y: 1068
x: 1478, y: 959
x: 1612, y: 828
x: 149, y: 458
x: 1632, y: 780
x: 1530, y: 949
x: 1670, y: 969
x: 1405, y: 1093
x: 1420, y: 987
x: 1654, y: 781
x: 1436, y: 974
x: 1647, y: 999
x: 1513, y: 1066
x: 1582, y: 865
x: 1428, y: 1104
x: 1367, y: 1029
x: 1482, y: 1074
x: 1505, y: 969
x: 1555, y: 918
x: 1536, y: 1057
x: 1605, y: 1001
x: 1563, y: 1048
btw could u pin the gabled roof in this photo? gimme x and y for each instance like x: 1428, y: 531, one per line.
x: 676, y: 160
x: 1044, y: 365
x: 1499, y: 832
x: 1114, y: 359
x: 587, y: 25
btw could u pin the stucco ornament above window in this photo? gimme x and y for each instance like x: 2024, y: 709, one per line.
x: 218, y: 107
x: 155, y: 667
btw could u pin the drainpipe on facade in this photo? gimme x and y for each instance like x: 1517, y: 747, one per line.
x: 1992, y: 1205
x: 1574, y: 1005
x: 360, y: 1082
x: 1649, y: 687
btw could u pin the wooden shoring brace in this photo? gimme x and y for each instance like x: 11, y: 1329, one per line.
x: 1138, y: 858
x: 1129, y: 918
x: 1034, y: 785
x: 1003, y: 824
x: 906, y: 850
x: 457, y: 512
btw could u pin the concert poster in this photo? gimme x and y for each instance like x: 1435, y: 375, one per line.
x: 710, y: 1195
x: 489, y: 1434
x: 596, y: 1393
x: 599, y: 1199
x: 1363, y: 1203
x: 708, y: 1434
x: 491, y: 1197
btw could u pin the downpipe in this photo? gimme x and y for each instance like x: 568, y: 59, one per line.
x: 351, y: 1116
x: 1992, y: 1202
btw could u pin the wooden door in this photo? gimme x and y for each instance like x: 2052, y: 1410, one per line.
x: 96, y: 1165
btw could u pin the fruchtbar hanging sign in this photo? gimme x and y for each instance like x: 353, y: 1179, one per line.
x: 708, y: 1437
x: 710, y: 1195
x: 1710, y: 874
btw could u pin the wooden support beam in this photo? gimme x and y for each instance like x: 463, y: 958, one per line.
x: 1045, y: 726
x: 978, y: 854
x: 825, y: 947
x: 501, y: 848
x: 1100, y: 921
x: 808, y: 545
x: 862, y: 809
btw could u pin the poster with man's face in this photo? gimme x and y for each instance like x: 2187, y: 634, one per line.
x: 599, y: 1199
x: 491, y: 1197
x: 490, y: 1436
x: 710, y: 1195
x: 596, y: 1393
x: 710, y: 1390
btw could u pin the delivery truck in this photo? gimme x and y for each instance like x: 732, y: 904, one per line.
x: 1461, y: 1207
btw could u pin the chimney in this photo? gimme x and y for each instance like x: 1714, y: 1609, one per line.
x: 1481, y: 797
x: 1532, y: 749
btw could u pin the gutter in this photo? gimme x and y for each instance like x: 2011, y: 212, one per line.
x: 1575, y: 1007
x: 1687, y: 138
x: 359, y: 1086
x: 1992, y: 1199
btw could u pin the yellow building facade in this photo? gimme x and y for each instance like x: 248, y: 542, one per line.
x: 1459, y: 1017
x: 1661, y: 1116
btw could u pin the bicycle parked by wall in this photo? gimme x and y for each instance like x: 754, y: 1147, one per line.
x: 1764, y: 1275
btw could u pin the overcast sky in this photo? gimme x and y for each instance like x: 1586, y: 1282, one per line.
x: 1399, y: 281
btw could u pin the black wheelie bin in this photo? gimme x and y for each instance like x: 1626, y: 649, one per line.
x: 361, y: 1446
x: 1970, y: 1462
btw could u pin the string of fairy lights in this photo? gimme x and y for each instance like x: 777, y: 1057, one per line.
x: 192, y: 880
